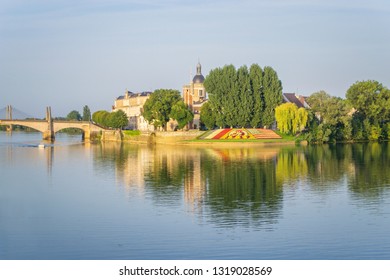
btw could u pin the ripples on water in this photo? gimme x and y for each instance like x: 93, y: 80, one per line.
x: 111, y: 201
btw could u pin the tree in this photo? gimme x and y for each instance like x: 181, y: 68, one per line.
x: 290, y: 119
x: 207, y: 116
x: 256, y: 80
x: 333, y: 117
x: 245, y: 99
x: 73, y: 116
x: 371, y: 99
x: 86, y: 114
x: 118, y: 119
x: 101, y: 117
x: 272, y: 94
x: 301, y: 119
x: 157, y: 109
x: 181, y: 113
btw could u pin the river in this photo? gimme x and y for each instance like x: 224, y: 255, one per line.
x: 74, y: 200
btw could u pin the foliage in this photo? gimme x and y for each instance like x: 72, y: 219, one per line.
x: 242, y: 98
x: 290, y: 119
x: 371, y: 99
x: 116, y: 119
x: 256, y: 81
x: 86, y: 114
x: 207, y: 116
x: 181, y: 113
x: 157, y: 109
x: 272, y: 92
x: 73, y: 116
x: 332, y: 119
x: 100, y: 117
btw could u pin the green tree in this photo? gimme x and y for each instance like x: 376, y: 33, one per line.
x: 118, y: 119
x: 157, y: 109
x: 86, y: 114
x: 333, y: 115
x: 301, y: 119
x: 181, y: 113
x: 256, y: 80
x: 245, y: 98
x: 221, y: 87
x: 73, y: 116
x: 101, y: 117
x: 272, y: 94
x: 290, y: 119
x: 207, y: 116
x: 371, y: 99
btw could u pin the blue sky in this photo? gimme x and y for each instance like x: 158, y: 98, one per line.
x: 71, y: 53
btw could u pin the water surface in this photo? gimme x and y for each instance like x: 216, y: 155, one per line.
x: 75, y: 200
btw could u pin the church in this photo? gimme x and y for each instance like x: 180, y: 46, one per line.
x: 194, y: 95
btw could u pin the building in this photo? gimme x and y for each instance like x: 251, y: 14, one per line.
x: 194, y: 96
x: 298, y: 100
x: 132, y: 104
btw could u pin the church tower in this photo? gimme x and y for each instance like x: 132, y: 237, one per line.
x: 194, y: 96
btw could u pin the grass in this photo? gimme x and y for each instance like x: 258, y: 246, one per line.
x: 131, y: 132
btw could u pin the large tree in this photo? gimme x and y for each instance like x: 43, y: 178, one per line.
x: 332, y: 119
x: 273, y: 96
x: 118, y: 119
x: 290, y: 119
x: 371, y: 99
x: 243, y: 97
x: 157, y: 109
x: 221, y: 87
x: 256, y: 80
x: 181, y: 113
x: 73, y: 116
x: 86, y: 114
x: 207, y: 116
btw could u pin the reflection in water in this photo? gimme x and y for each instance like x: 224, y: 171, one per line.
x: 241, y: 185
x: 121, y: 201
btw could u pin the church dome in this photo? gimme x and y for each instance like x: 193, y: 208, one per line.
x: 198, y: 78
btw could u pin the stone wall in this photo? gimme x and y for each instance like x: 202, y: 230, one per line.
x: 111, y: 135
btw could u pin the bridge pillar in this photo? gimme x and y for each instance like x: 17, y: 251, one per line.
x: 9, y: 117
x: 86, y: 134
x: 49, y: 134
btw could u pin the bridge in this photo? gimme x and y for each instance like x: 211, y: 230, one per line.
x: 48, y: 126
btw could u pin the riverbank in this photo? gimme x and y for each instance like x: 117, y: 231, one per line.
x: 192, y: 138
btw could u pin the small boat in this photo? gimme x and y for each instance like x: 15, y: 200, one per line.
x: 41, y: 146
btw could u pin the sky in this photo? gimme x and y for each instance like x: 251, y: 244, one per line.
x: 70, y: 53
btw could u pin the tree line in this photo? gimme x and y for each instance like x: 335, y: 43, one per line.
x: 117, y: 119
x: 241, y: 97
x: 363, y: 115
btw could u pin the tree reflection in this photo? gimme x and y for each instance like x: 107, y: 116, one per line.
x: 243, y: 185
x: 242, y: 191
x: 370, y: 169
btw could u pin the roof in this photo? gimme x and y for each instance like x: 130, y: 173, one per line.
x: 198, y: 78
x: 298, y: 100
x: 134, y: 95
